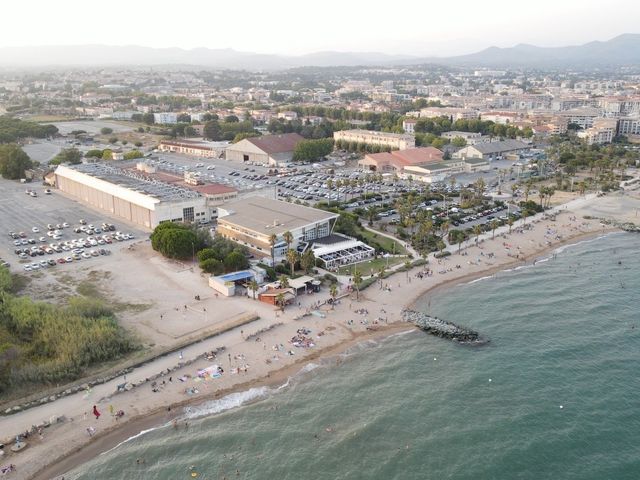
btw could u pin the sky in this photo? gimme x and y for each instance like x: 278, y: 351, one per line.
x: 411, y: 27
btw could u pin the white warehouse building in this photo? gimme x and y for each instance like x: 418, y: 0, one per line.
x: 124, y: 194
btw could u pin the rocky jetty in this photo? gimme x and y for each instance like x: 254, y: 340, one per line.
x: 443, y: 329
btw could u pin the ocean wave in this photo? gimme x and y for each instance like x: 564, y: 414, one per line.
x: 133, y: 437
x: 475, y: 280
x: 233, y: 400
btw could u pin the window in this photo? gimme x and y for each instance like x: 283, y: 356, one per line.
x: 245, y: 158
x: 187, y: 214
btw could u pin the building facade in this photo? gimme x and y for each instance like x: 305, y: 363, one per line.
x: 395, y: 141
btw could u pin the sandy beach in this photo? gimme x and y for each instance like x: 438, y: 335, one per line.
x: 261, y: 354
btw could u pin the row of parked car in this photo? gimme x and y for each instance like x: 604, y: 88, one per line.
x: 72, y: 245
x: 75, y: 256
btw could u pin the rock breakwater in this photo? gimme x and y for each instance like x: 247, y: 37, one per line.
x: 443, y: 329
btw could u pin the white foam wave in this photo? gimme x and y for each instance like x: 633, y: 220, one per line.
x: 471, y: 282
x: 233, y: 400
x: 139, y: 434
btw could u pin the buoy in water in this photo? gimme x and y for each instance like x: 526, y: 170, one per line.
x: 489, y: 379
x: 194, y: 474
x: 434, y: 359
x: 561, y: 406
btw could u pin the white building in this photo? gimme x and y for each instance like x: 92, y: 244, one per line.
x: 409, y: 125
x: 165, y: 118
x: 602, y: 131
x: 452, y: 112
x: 396, y: 141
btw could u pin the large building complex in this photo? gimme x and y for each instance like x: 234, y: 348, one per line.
x: 253, y: 221
x: 395, y: 141
x: 268, y: 149
x: 140, y: 196
x: 397, y: 160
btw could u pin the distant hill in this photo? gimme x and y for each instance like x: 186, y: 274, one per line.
x: 621, y: 50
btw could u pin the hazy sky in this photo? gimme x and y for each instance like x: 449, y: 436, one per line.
x: 416, y: 27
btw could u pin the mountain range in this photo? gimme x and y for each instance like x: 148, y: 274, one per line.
x: 619, y: 51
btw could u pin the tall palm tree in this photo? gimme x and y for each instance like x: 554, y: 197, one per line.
x: 381, y: 272
x: 272, y: 241
x: 510, y: 222
x: 494, y: 225
x: 288, y: 238
x: 357, y: 281
x: 333, y: 290
x: 444, y: 228
x: 477, y: 230
x: 253, y: 286
x: 292, y: 258
x: 283, y: 280
x: 280, y: 300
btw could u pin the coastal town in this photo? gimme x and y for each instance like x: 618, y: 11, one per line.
x: 179, y: 241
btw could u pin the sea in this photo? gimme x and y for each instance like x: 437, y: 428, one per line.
x: 554, y: 395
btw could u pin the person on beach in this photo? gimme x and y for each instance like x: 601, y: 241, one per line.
x: 96, y: 412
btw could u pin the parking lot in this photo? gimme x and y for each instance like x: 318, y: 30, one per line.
x: 28, y: 217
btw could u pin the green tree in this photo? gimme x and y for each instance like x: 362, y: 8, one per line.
x: 477, y: 230
x: 494, y: 225
x: 458, y: 142
x: 273, y: 239
x: 288, y: 238
x: 72, y: 156
x: 280, y: 300
x: 457, y: 236
x: 212, y: 130
x: 106, y: 131
x: 13, y: 162
x: 96, y: 153
x: 243, y: 135
x: 357, y: 281
x: 212, y: 265
x: 283, y: 280
x: 175, y: 240
x: 333, y: 291
x: 107, y: 154
x: 133, y: 154
x: 253, y: 286
x: 148, y: 118
x: 308, y: 260
x: 235, y: 261
x: 292, y: 258
x: 312, y: 150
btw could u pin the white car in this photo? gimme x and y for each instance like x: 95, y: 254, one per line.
x: 35, y: 230
x: 211, y: 167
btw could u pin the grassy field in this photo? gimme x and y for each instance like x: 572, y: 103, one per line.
x: 385, y: 242
x: 372, y: 266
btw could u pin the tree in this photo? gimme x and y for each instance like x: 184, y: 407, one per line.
x: 133, y: 154
x: 13, y: 162
x: 280, y: 300
x: 292, y: 258
x: 283, y: 280
x: 477, y: 230
x: 494, y: 225
x: 235, y: 261
x: 458, y: 142
x: 212, y: 265
x: 175, y: 240
x: 312, y: 150
x: 457, y: 236
x: 333, y: 291
x: 72, y: 156
x: 357, y: 281
x: 107, y: 154
x: 149, y: 118
x: 273, y: 239
x: 97, y: 153
x: 231, y: 119
x: 113, y: 140
x: 106, y: 131
x: 253, y: 286
x: 243, y: 135
x: 510, y: 222
x: 307, y: 260
x: 288, y: 238
x: 212, y: 130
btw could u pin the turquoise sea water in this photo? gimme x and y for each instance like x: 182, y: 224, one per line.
x: 554, y: 396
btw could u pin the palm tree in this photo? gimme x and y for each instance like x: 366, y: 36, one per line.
x: 510, y: 222
x: 283, y: 280
x: 272, y: 241
x: 477, y: 230
x: 407, y: 267
x: 288, y: 238
x: 333, y: 291
x: 357, y: 281
x: 582, y: 186
x: 444, y: 228
x: 292, y: 258
x: 494, y: 225
x: 253, y: 286
x: 381, y: 272
x: 527, y: 189
x: 280, y: 300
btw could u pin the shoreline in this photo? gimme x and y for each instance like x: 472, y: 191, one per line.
x: 154, y: 416
x: 119, y: 434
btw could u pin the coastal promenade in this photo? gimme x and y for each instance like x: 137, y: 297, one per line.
x: 269, y: 357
